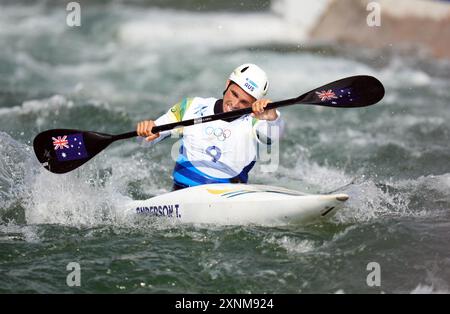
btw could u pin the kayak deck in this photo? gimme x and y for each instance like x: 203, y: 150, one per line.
x: 237, y: 204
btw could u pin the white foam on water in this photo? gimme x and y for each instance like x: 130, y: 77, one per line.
x: 148, y: 36
x: 408, y: 120
x: 437, y: 183
x: 342, y: 234
x: 71, y: 200
x: 30, y: 20
x: 300, y: 14
x: 166, y: 28
x: 422, y: 289
x: 291, y: 245
x: 15, y: 158
x: 428, y: 289
x: 42, y: 106
x: 40, y: 113
x: 368, y: 199
x: 157, y: 28
x: 367, y: 202
x: 398, y: 75
x: 83, y: 197
x: 13, y: 232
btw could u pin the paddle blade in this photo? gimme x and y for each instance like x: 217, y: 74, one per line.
x: 350, y: 92
x: 63, y: 150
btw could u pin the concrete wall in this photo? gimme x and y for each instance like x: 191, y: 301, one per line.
x: 405, y: 25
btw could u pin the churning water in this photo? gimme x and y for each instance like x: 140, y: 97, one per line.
x: 127, y: 63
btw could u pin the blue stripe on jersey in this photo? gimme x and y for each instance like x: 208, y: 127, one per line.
x: 220, y: 166
x: 182, y: 180
x: 185, y: 173
x: 243, y: 176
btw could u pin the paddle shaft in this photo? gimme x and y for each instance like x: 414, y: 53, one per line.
x: 219, y: 116
x: 370, y: 91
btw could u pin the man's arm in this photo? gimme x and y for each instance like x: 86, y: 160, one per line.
x: 174, y: 114
x: 268, y: 124
x: 144, y: 129
x: 260, y: 113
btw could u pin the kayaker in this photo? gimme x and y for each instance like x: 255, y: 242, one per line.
x: 220, y: 151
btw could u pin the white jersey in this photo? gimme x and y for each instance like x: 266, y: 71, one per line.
x: 216, y: 151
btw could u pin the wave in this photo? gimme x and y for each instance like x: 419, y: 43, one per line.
x: 282, y: 24
x: 58, y: 111
x: 95, y: 194
x: 371, y: 197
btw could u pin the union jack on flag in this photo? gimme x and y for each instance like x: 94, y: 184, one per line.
x: 326, y: 95
x: 70, y: 147
x: 60, y: 142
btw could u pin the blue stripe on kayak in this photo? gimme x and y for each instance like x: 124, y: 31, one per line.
x: 240, y: 192
x: 232, y: 192
x: 284, y: 193
x: 246, y: 192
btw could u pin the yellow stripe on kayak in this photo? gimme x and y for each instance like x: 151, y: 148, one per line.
x: 219, y: 191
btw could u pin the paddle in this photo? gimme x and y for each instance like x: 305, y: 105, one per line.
x: 63, y: 150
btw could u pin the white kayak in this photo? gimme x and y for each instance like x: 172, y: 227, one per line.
x: 237, y: 204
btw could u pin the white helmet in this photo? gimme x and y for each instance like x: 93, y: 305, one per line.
x: 252, y: 79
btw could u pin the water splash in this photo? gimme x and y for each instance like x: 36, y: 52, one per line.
x: 292, y: 245
x: 83, y: 198
x: 370, y: 197
x: 16, y: 159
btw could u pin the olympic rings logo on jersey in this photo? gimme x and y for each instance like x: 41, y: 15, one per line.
x: 219, y: 133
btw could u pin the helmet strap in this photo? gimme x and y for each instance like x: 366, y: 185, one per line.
x: 228, y: 86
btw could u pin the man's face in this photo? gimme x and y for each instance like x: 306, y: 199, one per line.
x: 236, y: 98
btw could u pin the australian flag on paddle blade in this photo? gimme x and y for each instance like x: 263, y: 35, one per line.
x: 69, y: 147
x: 338, y: 96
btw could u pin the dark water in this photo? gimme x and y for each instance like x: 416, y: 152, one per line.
x: 131, y: 62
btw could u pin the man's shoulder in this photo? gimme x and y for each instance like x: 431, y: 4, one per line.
x: 195, y: 102
x: 187, y: 101
x: 205, y: 100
